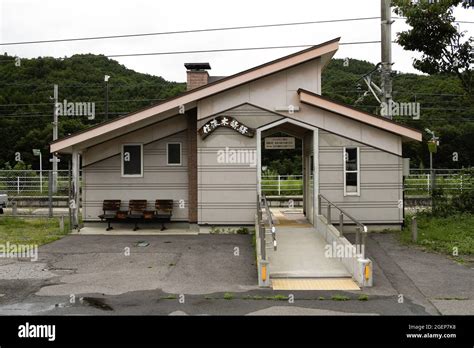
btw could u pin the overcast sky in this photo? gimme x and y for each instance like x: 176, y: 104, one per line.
x: 25, y: 20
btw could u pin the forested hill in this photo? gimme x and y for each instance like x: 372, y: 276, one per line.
x: 444, y: 108
x: 26, y: 109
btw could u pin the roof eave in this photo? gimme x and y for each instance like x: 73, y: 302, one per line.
x: 313, y: 99
x: 326, y: 48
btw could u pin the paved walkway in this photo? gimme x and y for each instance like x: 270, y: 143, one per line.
x: 300, y: 253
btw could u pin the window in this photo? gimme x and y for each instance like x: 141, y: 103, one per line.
x: 132, y: 160
x: 173, y: 153
x: 351, y: 171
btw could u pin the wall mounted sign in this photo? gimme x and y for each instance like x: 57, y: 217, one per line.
x: 279, y: 143
x: 228, y: 122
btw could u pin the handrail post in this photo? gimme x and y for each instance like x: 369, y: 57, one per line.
x: 341, y: 223
x: 362, y: 247
x: 319, y: 204
x: 357, y: 236
x: 328, y: 217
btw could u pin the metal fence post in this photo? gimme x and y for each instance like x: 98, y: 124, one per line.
x: 319, y: 204
x: 414, y: 230
x: 18, y: 185
x: 279, y: 185
x: 50, y: 194
x: 61, y: 223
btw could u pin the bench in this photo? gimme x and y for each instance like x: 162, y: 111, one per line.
x: 163, y: 211
x: 137, y: 212
x: 111, y: 208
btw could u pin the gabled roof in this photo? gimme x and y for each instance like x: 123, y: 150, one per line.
x: 319, y: 101
x: 325, y: 50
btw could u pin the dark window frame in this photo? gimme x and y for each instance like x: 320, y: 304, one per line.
x: 122, y: 161
x: 180, y: 153
x: 356, y: 171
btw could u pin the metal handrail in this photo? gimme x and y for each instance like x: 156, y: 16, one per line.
x: 263, y: 204
x: 360, y: 226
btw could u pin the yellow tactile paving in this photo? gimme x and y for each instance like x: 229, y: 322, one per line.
x: 314, y: 284
x: 282, y: 219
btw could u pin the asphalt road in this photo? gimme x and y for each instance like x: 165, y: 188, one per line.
x: 216, y: 274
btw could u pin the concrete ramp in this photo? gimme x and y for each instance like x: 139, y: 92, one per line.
x: 301, y: 254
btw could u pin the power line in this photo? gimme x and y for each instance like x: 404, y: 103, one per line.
x: 358, y: 106
x: 96, y: 102
x: 231, y: 49
x: 187, y: 31
x: 227, y: 50
x: 161, y: 99
x: 259, y: 26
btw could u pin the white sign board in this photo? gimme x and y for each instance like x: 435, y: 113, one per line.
x: 279, y: 143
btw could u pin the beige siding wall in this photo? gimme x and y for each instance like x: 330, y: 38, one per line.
x: 274, y: 91
x: 380, y: 181
x: 103, y: 180
x: 227, y: 191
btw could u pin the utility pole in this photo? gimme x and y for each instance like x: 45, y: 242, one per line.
x: 386, y: 65
x: 55, y: 159
x: 433, y: 148
x: 106, y: 79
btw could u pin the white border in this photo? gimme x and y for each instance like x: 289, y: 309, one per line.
x: 351, y: 171
x: 180, y: 153
x: 141, y: 161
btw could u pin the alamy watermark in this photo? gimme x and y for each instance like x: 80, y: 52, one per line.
x: 13, y: 251
x: 76, y: 109
x: 237, y: 156
x: 410, y: 109
x: 336, y: 250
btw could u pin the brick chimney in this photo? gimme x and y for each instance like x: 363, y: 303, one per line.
x: 197, y: 74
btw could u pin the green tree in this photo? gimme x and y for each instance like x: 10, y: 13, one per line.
x: 433, y: 32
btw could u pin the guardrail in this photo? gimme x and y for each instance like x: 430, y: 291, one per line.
x: 262, y: 206
x: 361, y: 229
x: 261, y: 239
x: 278, y: 185
x: 33, y: 182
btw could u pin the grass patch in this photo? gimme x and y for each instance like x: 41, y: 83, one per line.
x: 340, y: 298
x: 278, y: 298
x: 169, y: 297
x: 228, y: 296
x: 321, y: 298
x: 443, y: 234
x: 31, y: 230
x: 363, y: 297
